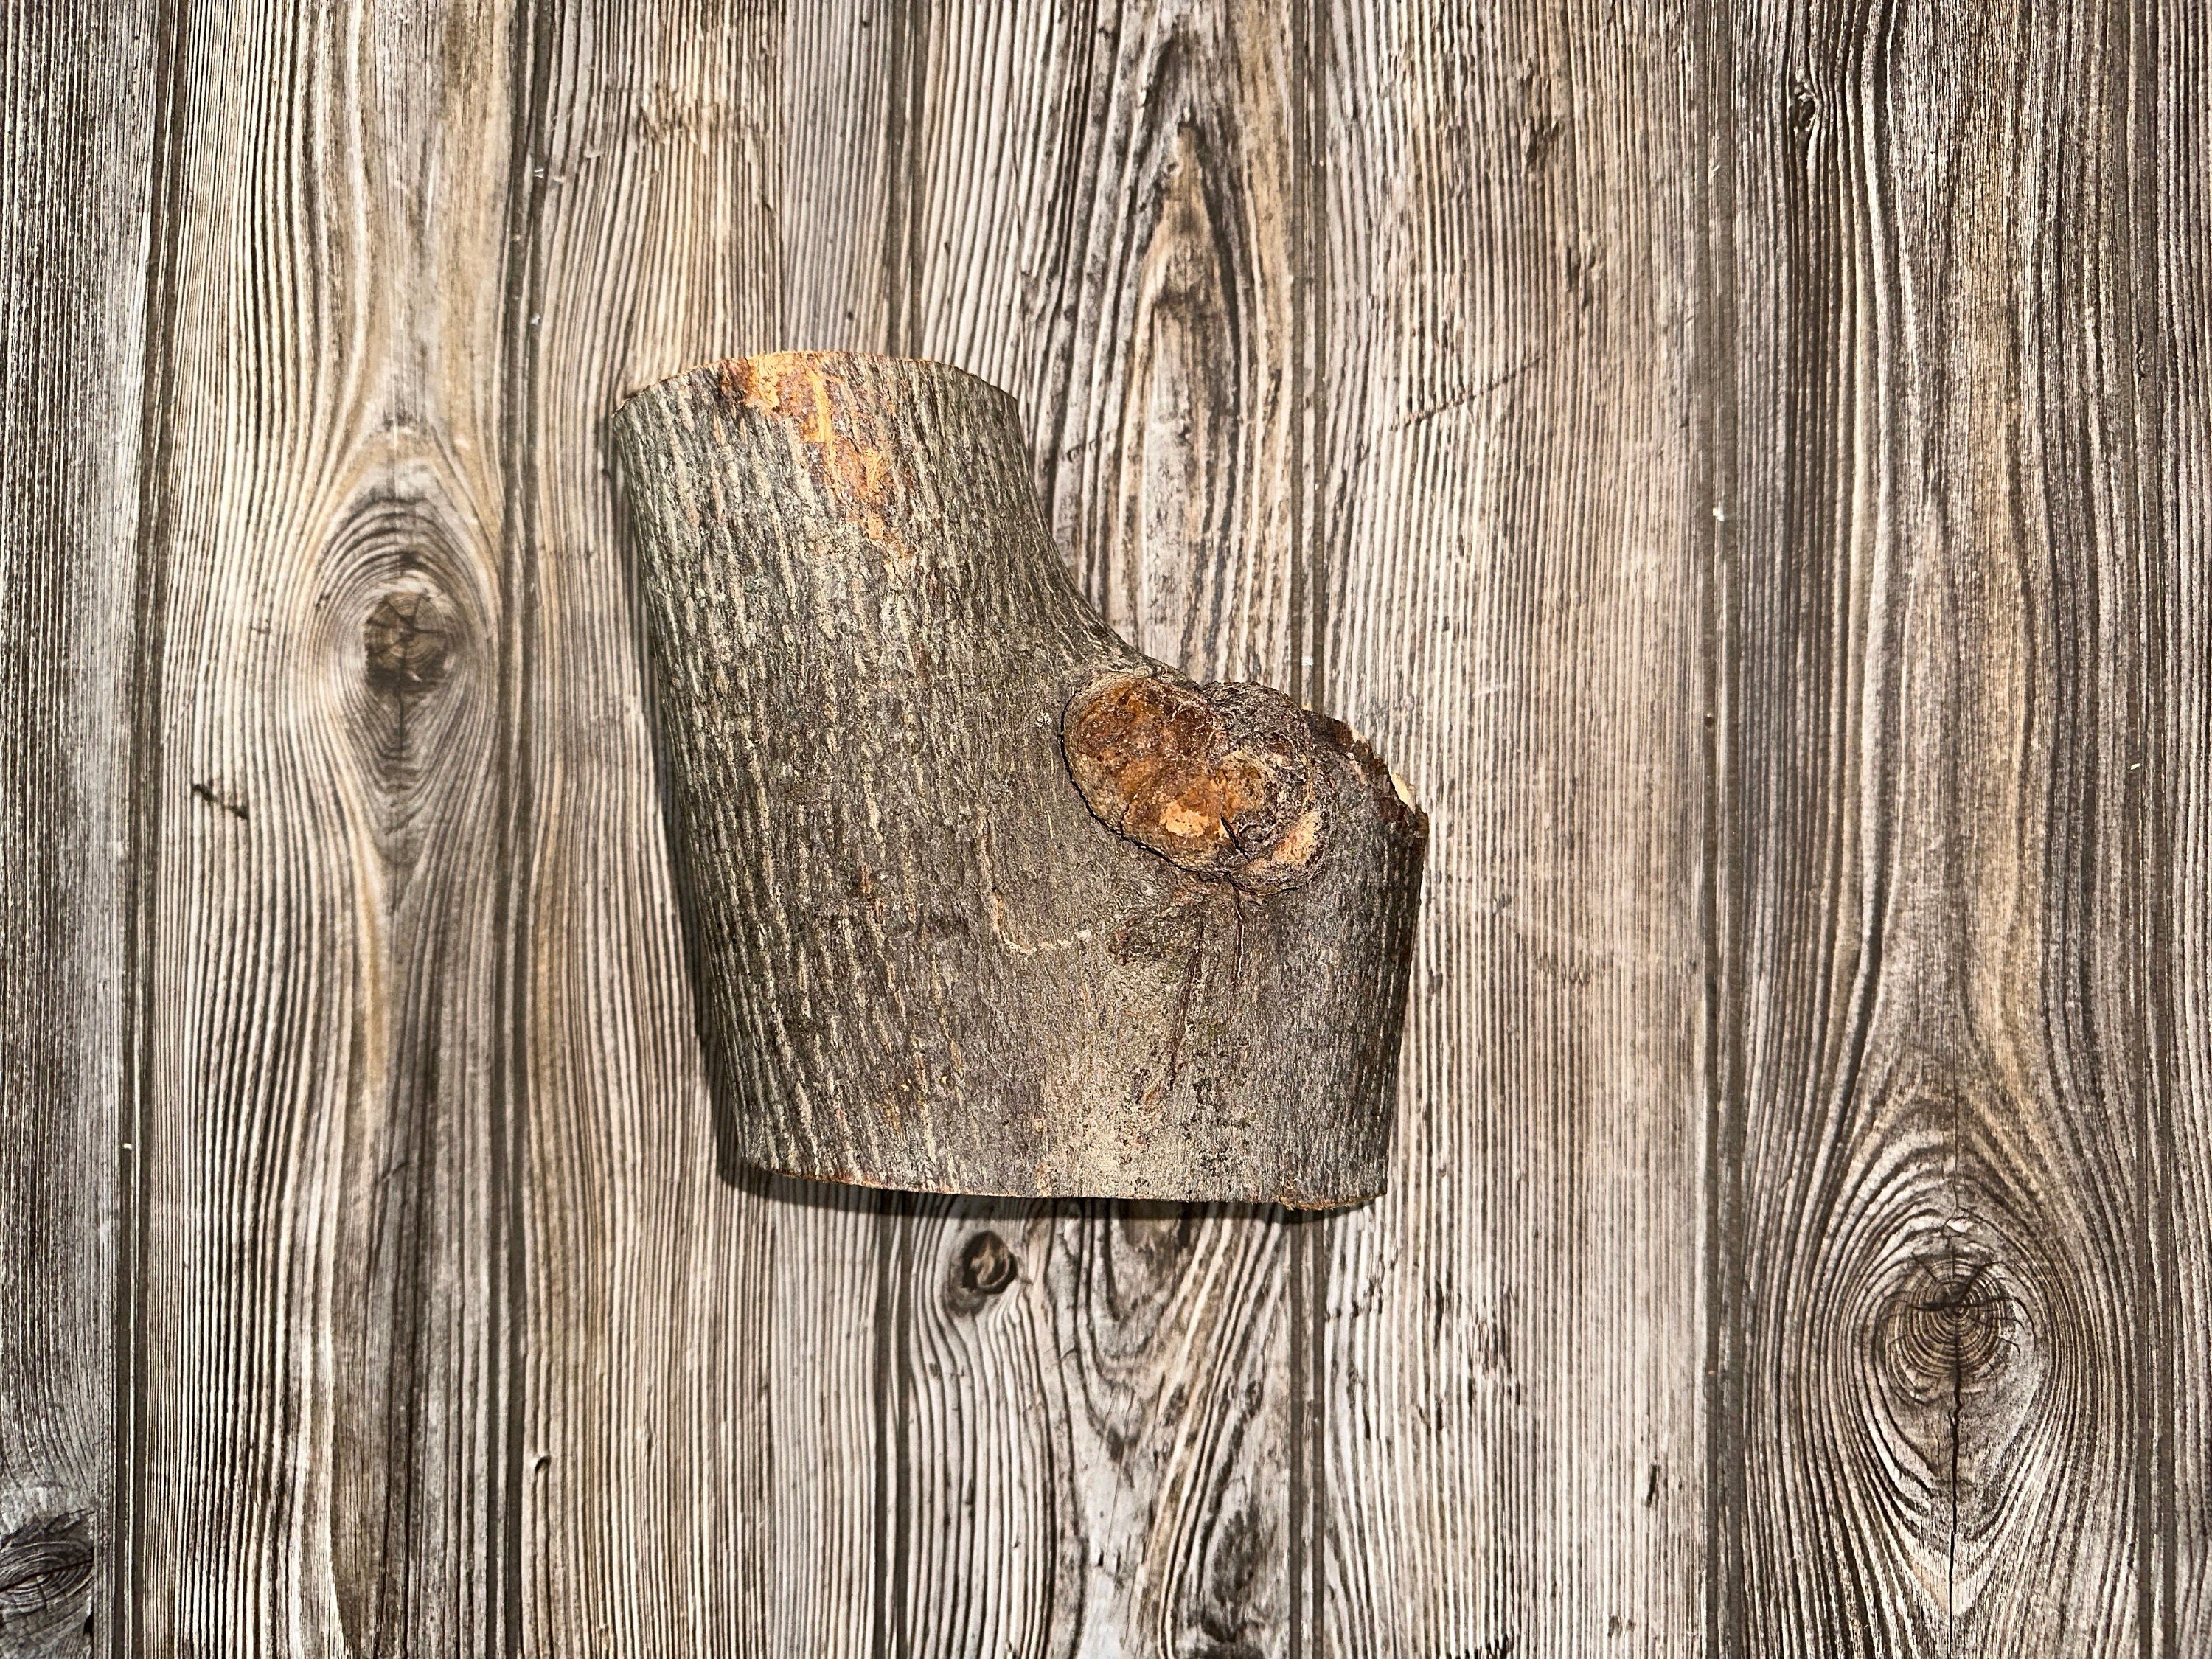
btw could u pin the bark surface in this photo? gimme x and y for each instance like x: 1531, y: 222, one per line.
x: 982, y: 899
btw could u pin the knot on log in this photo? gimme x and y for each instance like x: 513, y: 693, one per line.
x: 1221, y: 780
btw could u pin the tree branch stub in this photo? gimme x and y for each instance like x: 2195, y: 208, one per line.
x: 981, y: 899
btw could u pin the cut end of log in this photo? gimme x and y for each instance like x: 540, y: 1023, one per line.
x: 801, y: 390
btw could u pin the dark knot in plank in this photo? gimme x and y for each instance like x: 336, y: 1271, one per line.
x: 984, y: 1268
x: 44, y: 1564
x: 406, y: 640
x: 1218, y: 780
x: 235, y: 808
x: 1947, y: 1330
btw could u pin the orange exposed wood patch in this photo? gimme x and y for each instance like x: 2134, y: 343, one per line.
x: 831, y: 413
x: 1218, y: 781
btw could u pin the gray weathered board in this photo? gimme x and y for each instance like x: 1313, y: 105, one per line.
x: 1749, y: 466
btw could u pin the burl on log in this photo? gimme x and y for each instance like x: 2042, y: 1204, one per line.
x: 981, y: 899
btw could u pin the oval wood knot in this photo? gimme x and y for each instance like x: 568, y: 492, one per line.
x: 44, y: 1564
x: 1221, y: 781
x: 1948, y: 1329
x: 985, y: 1269
x: 406, y: 641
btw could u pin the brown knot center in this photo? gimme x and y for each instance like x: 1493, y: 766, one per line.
x: 1221, y: 781
x: 405, y: 641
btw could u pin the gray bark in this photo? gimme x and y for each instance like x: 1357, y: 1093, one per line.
x: 983, y: 900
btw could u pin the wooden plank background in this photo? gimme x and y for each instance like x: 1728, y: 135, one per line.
x: 77, y: 126
x: 1744, y: 461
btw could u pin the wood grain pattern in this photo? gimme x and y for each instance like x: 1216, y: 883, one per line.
x: 2172, y: 59
x: 692, y: 1474
x: 324, y: 1319
x: 76, y: 156
x: 1953, y: 1067
x: 1746, y: 464
x: 1508, y: 1358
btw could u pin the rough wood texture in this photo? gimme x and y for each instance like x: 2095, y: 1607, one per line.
x: 1744, y: 463
x: 1961, y: 1104
x: 325, y: 1324
x: 983, y: 900
x: 685, y: 1480
x: 76, y: 120
x: 1510, y: 1443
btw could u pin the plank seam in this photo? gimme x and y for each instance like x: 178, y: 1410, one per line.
x: 529, y: 60
x: 1709, y: 484
x: 142, y: 815
x: 2159, y: 1340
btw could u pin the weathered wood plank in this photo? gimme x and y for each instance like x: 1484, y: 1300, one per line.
x: 2172, y: 54
x: 1506, y: 1388
x: 1102, y: 220
x: 77, y: 126
x: 833, y: 190
x: 697, y: 1416
x: 1962, y: 831
x: 1180, y: 374
x: 323, y: 1233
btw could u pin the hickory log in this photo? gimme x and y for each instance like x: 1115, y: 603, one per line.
x: 981, y: 899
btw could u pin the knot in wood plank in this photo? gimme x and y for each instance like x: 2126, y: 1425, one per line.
x: 46, y: 1565
x: 985, y: 1269
x: 405, y: 641
x: 1947, y: 1330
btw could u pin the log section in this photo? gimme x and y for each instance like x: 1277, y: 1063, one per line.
x: 984, y: 901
